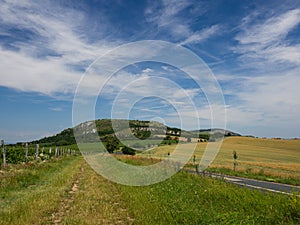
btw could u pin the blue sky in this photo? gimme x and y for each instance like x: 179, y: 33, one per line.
x: 251, y: 47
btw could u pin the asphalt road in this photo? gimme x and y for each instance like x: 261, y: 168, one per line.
x: 263, y: 185
x: 257, y: 184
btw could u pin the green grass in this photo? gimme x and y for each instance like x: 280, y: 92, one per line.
x: 190, y: 199
x: 29, y: 193
x: 32, y: 194
x: 97, y: 201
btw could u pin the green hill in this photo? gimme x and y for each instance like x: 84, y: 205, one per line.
x: 91, y: 131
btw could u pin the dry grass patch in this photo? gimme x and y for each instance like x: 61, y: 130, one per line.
x: 273, y: 157
x: 97, y: 201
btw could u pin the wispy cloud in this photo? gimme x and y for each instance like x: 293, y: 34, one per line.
x: 169, y: 17
x: 272, y: 30
x: 56, y: 109
x: 52, y: 60
x: 268, y: 40
x: 265, y: 100
x: 165, y: 15
x: 269, y: 103
x: 201, y: 35
x: 265, y: 90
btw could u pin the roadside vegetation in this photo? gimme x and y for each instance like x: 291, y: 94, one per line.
x: 68, y: 191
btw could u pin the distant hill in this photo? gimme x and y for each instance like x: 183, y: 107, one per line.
x: 227, y: 133
x: 88, y: 132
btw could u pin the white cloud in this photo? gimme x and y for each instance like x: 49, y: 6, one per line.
x: 167, y: 17
x: 266, y: 100
x: 201, y: 35
x: 147, y: 70
x: 272, y: 30
x: 56, y: 109
x: 267, y: 40
x: 28, y: 74
x: 24, y: 69
x: 266, y: 96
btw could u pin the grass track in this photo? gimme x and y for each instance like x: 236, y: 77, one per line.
x: 29, y: 195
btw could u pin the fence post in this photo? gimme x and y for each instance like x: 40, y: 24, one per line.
x: 4, y: 153
x: 37, y: 151
x: 26, y: 152
x: 56, y: 149
x: 197, y: 168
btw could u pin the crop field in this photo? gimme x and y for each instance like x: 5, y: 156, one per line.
x: 276, y: 158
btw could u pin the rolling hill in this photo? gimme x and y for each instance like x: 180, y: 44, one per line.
x: 91, y: 131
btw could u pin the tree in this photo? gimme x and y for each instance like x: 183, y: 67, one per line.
x: 128, y: 151
x: 111, y: 143
x: 204, y: 136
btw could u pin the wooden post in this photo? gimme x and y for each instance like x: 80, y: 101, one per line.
x: 37, y: 151
x: 4, y: 153
x: 197, y: 169
x: 235, y: 164
x: 26, y: 152
x: 50, y: 150
x: 56, y: 152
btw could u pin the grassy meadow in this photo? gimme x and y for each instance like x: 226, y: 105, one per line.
x: 68, y: 191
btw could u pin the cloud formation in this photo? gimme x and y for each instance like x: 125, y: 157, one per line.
x: 268, y: 40
x: 51, y: 61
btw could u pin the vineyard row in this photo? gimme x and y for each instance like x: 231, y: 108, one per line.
x: 24, y: 154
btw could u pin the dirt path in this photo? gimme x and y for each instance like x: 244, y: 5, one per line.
x: 65, y: 205
x: 91, y: 199
x: 66, y: 202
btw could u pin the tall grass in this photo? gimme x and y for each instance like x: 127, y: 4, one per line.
x: 29, y: 193
x: 190, y: 199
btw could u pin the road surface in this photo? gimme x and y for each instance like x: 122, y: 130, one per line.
x: 256, y: 184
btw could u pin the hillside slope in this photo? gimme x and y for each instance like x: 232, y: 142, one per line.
x: 91, y: 131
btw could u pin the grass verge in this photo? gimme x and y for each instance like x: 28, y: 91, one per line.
x: 32, y: 195
x: 189, y: 199
x: 29, y: 193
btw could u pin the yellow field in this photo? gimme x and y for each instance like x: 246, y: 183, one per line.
x: 272, y: 157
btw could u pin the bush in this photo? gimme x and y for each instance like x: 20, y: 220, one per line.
x: 128, y: 151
